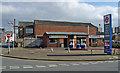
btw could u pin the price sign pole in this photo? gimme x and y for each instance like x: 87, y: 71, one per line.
x: 108, y: 34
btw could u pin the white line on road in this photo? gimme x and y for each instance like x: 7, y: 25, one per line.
x: 27, y: 66
x: 94, y: 62
x: 116, y: 61
x: 40, y: 66
x: 63, y: 64
x: 14, y: 67
x: 84, y: 63
x: 52, y: 65
x: 105, y: 61
x: 110, y: 61
x: 100, y: 62
x: 2, y: 67
x: 75, y: 64
x: 111, y: 58
x: 115, y: 57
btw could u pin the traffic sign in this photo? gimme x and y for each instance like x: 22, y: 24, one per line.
x: 8, y: 35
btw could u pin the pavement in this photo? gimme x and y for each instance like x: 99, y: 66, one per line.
x: 58, y: 54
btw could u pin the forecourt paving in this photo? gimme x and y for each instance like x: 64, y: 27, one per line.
x: 58, y: 54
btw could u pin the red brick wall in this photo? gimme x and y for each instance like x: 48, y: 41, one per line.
x: 22, y: 33
x: 47, y: 44
x: 2, y: 36
x: 41, y: 29
x: 93, y: 44
x: 98, y: 44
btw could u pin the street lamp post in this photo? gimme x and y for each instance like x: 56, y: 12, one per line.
x: 13, y: 32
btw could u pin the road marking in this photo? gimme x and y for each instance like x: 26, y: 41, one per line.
x: 100, y: 62
x: 75, y: 64
x: 27, y: 66
x: 84, y: 63
x: 105, y: 61
x: 63, y: 64
x: 1, y: 54
x: 94, y: 62
x: 2, y: 67
x: 52, y: 65
x: 115, y: 57
x: 14, y: 67
x: 116, y: 61
x: 111, y: 58
x: 40, y: 66
x: 110, y: 61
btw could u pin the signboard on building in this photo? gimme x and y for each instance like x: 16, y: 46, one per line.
x: 108, y: 34
x: 58, y: 36
x: 96, y: 36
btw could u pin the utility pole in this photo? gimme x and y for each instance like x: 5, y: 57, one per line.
x: 14, y: 34
x: 13, y: 31
x: 88, y: 35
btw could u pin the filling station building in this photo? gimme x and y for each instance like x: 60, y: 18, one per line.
x: 57, y: 33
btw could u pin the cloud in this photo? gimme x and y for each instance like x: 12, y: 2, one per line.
x: 60, y: 0
x: 88, y: 13
x: 67, y: 11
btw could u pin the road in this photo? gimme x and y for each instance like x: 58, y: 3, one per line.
x: 30, y: 65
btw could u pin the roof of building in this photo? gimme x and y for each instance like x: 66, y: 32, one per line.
x: 24, y: 24
x: 64, y: 23
x: 65, y: 33
x: 51, y: 22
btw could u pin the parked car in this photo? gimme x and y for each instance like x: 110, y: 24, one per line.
x: 115, y: 44
x: 118, y: 43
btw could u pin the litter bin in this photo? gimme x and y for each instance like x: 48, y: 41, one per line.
x: 82, y: 46
x: 71, y: 46
x: 78, y: 45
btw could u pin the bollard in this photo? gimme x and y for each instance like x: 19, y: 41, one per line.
x: 40, y: 48
x: 114, y: 52
x: 91, y: 51
x: 52, y: 50
x: 8, y: 45
x: 68, y: 50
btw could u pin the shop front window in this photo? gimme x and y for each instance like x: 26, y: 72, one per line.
x: 94, y: 41
x: 51, y: 40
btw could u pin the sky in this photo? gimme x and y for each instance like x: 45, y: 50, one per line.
x: 76, y: 11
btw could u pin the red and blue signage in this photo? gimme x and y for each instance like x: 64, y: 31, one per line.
x: 107, y: 19
x: 108, y: 34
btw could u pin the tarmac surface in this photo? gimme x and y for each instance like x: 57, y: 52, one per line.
x: 30, y: 65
